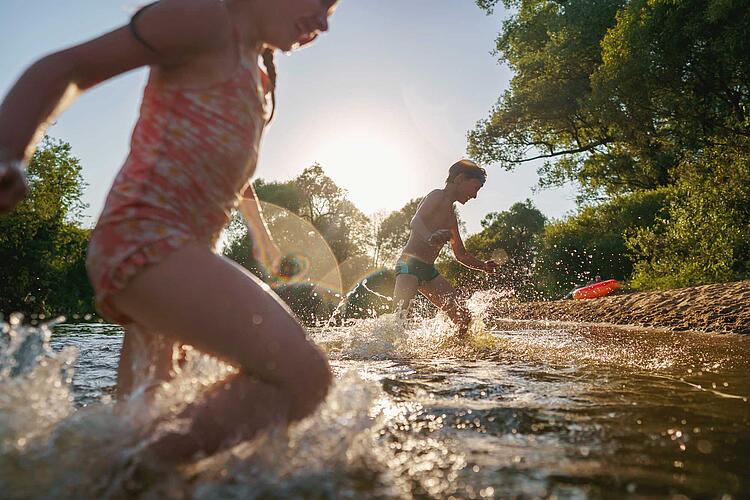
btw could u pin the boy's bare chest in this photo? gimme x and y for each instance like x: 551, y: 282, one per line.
x: 442, y: 218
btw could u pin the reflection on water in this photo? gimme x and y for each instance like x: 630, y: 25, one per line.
x: 528, y: 410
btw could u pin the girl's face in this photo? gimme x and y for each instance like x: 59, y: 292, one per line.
x: 468, y: 187
x: 290, y: 24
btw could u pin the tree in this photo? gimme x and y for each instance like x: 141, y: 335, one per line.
x: 326, y: 206
x: 315, y: 198
x: 613, y: 94
x: 42, y: 248
x: 514, y: 231
x: 593, y: 242
x: 704, y: 236
x: 283, y: 194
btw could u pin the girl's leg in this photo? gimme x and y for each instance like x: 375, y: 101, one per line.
x: 403, y: 293
x: 144, y: 356
x: 199, y: 298
x: 440, y: 292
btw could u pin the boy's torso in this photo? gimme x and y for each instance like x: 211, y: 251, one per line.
x: 442, y: 217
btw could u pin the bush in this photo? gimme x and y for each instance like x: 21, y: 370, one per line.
x: 593, y: 242
x: 705, y: 235
x: 370, y: 297
x: 514, y: 231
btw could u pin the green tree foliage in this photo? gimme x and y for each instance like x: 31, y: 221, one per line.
x: 630, y: 98
x: 614, y: 93
x: 326, y: 206
x: 676, y: 74
x: 283, y: 194
x: 370, y: 298
x: 515, y: 232
x: 42, y: 247
x: 314, y: 197
x: 705, y: 235
x: 593, y: 242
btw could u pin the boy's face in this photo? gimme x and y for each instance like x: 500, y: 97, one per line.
x: 468, y: 187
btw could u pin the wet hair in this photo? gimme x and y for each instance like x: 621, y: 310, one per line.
x: 469, y: 169
x: 267, y: 56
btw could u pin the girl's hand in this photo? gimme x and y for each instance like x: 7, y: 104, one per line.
x: 13, y: 187
x: 268, y: 254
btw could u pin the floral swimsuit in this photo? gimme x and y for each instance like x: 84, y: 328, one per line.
x: 192, y: 153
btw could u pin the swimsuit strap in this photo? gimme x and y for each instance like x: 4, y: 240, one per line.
x: 134, y: 28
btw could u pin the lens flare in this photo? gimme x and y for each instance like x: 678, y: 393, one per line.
x: 307, y: 256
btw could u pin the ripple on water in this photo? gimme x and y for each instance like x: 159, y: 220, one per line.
x: 563, y: 410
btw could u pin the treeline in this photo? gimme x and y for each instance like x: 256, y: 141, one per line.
x: 645, y: 106
x: 43, y: 242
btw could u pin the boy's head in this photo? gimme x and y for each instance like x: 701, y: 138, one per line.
x: 468, y: 178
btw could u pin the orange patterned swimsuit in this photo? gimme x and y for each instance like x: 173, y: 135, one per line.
x: 192, y: 153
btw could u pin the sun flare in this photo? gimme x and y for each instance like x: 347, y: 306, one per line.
x: 374, y: 165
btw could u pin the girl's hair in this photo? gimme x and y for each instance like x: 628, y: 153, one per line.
x: 267, y: 56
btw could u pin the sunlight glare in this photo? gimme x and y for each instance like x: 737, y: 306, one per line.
x: 377, y: 167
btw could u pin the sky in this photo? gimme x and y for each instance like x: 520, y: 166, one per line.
x: 383, y: 101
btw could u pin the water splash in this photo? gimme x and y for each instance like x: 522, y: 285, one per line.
x: 34, y: 384
x: 523, y: 409
x: 51, y: 449
x: 390, y: 336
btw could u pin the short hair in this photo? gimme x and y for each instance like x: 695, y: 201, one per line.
x: 469, y: 169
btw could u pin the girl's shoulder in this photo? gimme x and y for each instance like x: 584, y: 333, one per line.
x: 172, y: 26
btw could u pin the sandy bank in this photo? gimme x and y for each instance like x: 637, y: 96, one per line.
x: 716, y: 308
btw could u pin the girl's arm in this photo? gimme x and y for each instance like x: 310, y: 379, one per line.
x: 265, y: 249
x: 175, y: 29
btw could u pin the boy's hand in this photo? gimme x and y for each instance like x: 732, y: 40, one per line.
x: 439, y: 237
x: 13, y: 187
x: 491, y: 267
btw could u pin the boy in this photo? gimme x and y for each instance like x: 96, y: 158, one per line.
x: 433, y: 225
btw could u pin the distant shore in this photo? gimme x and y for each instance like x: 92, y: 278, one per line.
x: 722, y: 308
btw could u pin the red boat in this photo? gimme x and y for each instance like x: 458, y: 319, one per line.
x: 594, y: 290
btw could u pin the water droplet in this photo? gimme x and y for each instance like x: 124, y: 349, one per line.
x: 705, y: 447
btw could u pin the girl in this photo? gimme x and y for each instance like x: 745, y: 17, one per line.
x: 193, y: 151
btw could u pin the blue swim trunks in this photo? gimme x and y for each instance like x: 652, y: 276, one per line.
x: 422, y: 270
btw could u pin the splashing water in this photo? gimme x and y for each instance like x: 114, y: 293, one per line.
x: 50, y: 448
x: 527, y: 410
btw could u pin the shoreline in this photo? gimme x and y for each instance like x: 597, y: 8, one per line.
x: 718, y: 308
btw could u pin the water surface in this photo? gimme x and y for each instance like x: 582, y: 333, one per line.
x: 527, y: 410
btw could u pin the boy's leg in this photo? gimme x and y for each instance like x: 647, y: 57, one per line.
x: 440, y: 292
x: 404, y: 292
x: 199, y: 298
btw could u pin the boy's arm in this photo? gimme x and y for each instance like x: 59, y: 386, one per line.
x: 464, y: 257
x: 429, y: 204
x: 265, y: 249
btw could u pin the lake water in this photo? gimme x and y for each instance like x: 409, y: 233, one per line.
x: 526, y: 410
